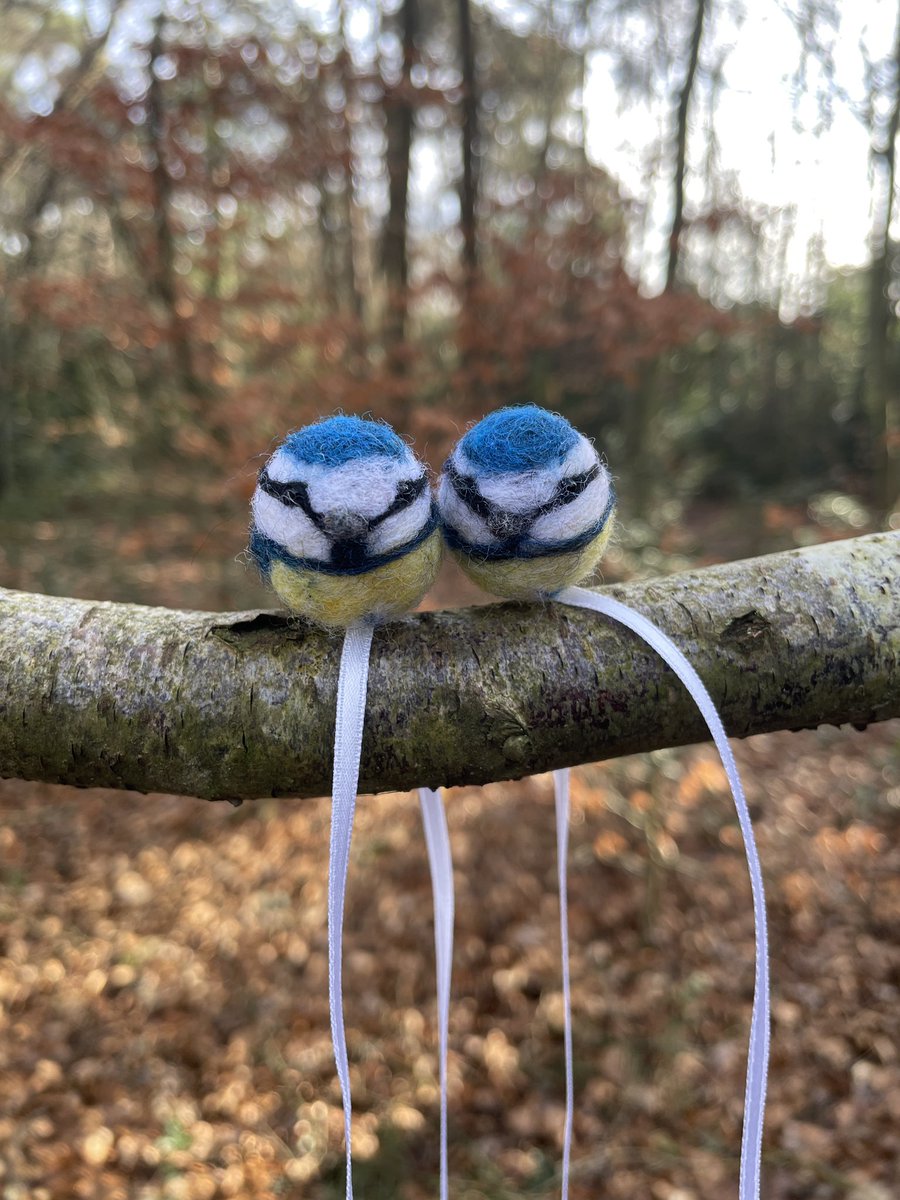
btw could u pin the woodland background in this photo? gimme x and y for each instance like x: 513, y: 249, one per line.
x: 219, y: 221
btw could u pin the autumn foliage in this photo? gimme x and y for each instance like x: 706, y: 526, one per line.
x: 220, y: 221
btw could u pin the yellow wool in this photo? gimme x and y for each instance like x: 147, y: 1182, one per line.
x: 526, y: 578
x: 339, y: 600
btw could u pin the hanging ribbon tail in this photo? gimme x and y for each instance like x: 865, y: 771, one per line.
x: 437, y: 839
x: 758, y: 1056
x: 351, y: 707
x: 561, y: 791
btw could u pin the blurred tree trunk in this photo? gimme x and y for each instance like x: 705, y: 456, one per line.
x: 468, y: 194
x: 328, y: 243
x: 15, y: 342
x: 16, y: 338
x: 469, y: 328
x: 341, y: 202
x: 216, y: 174
x: 9, y: 404
x: 881, y: 322
x: 400, y: 117
x: 658, y: 388
x: 780, y: 407
x: 681, y: 132
x: 164, y: 278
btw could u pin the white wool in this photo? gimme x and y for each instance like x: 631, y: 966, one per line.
x: 460, y: 517
x: 402, y: 527
x: 569, y: 520
x: 284, y: 468
x: 580, y: 458
x: 288, y: 527
x: 520, y: 491
x: 513, y: 491
x: 366, y: 486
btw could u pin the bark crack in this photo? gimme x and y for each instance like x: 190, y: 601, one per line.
x: 226, y: 706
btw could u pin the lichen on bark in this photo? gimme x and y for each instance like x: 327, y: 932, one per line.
x: 241, y: 705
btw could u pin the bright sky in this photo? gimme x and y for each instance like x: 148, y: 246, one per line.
x: 826, y: 177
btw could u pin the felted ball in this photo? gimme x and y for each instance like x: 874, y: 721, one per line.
x: 525, y: 503
x: 344, y: 525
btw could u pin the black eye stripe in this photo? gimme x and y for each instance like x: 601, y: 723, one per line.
x: 497, y: 519
x: 292, y: 493
x: 568, y: 489
x: 467, y: 490
x: 295, y: 494
x: 408, y: 492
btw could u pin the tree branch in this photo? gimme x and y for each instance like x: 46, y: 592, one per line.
x: 236, y: 705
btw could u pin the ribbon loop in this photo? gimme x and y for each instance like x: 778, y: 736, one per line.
x: 437, y: 839
x: 561, y: 793
x: 351, y: 706
x: 353, y: 679
x: 758, y: 1055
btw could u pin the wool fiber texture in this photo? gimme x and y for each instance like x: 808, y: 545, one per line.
x: 343, y: 522
x: 525, y: 503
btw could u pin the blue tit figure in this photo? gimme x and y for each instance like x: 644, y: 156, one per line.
x: 526, y: 504
x: 344, y: 524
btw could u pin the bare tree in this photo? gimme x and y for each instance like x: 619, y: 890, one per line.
x: 76, y: 87
x: 164, y: 276
x: 468, y: 191
x: 681, y: 132
x: 36, y: 194
x: 400, y: 117
x: 881, y: 320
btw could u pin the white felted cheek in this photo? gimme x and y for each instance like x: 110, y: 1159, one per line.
x: 580, y: 458
x: 288, y: 527
x: 457, y: 514
x: 519, y: 492
x: 284, y: 468
x: 365, y: 486
x: 514, y: 492
x: 569, y: 520
x: 402, y: 527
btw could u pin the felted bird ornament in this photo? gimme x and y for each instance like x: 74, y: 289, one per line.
x: 527, y: 510
x: 344, y: 528
x: 344, y: 524
x: 526, y: 504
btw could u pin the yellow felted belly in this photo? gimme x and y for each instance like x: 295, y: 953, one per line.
x: 339, y: 600
x: 525, y: 578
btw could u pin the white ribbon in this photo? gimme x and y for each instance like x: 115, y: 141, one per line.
x: 561, y: 790
x: 351, y: 702
x: 437, y: 839
x: 351, y: 706
x: 758, y: 1055
x: 348, y: 731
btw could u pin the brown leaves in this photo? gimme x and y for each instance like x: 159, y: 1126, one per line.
x: 163, y: 988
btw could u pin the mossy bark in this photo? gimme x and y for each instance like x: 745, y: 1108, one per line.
x: 241, y: 705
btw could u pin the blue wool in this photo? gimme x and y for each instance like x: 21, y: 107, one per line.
x: 525, y: 548
x: 523, y: 438
x: 338, y: 440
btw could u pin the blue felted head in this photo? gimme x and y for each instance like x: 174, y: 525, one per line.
x: 525, y: 502
x: 344, y: 523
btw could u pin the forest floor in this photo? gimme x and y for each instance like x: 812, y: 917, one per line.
x: 164, y: 1028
